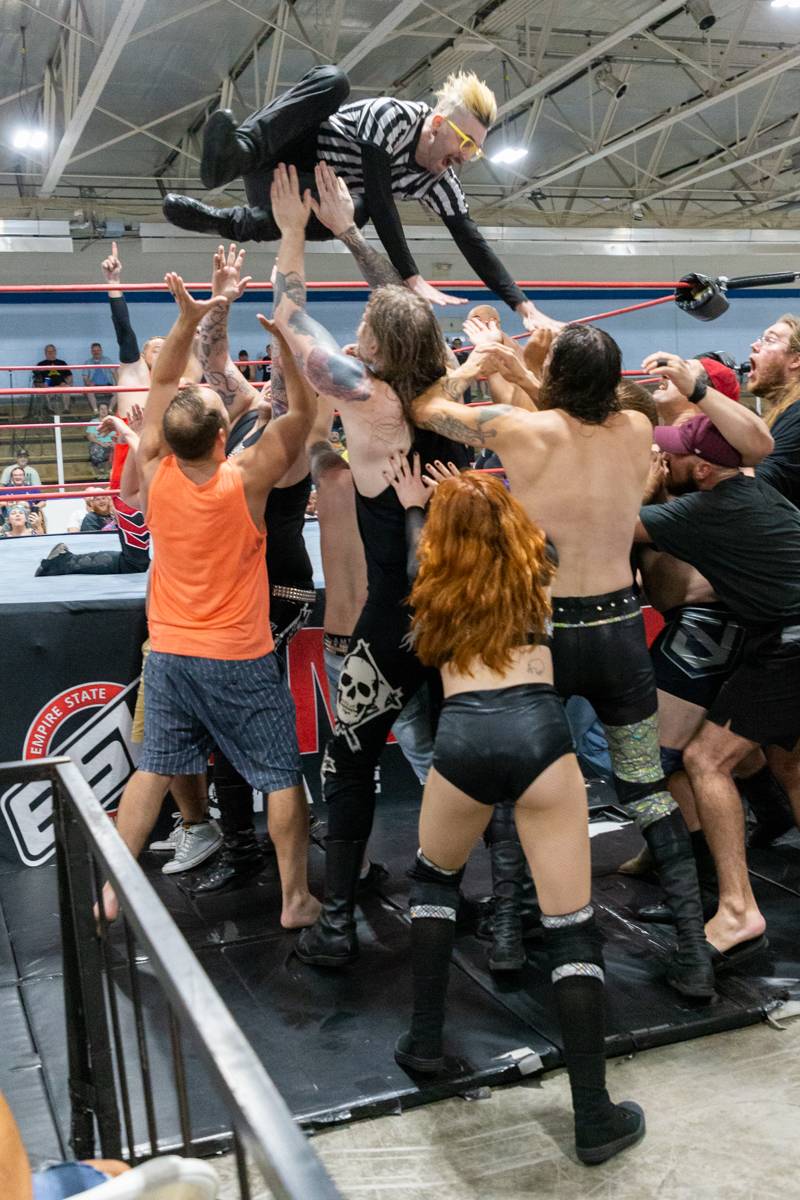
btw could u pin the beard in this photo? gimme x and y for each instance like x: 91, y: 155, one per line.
x: 768, y: 379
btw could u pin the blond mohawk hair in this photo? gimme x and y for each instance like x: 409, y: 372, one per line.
x: 464, y: 90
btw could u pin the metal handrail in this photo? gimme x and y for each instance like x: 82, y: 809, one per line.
x: 286, y: 1161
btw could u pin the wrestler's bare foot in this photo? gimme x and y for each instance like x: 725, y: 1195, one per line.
x: 300, y: 911
x: 110, y: 906
x: 728, y: 929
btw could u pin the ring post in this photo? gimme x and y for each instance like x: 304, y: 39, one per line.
x: 59, y: 450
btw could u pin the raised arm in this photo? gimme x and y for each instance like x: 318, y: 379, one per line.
x: 129, y: 480
x: 744, y: 429
x: 219, y: 369
x: 318, y: 354
x: 335, y: 211
x: 269, y: 459
x: 133, y: 371
x: 169, y: 368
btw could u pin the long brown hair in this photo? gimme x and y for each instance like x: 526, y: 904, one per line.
x: 792, y: 393
x: 412, y: 353
x: 483, y: 573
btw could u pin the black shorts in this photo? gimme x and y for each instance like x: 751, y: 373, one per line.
x: 600, y: 653
x: 493, y: 744
x: 761, y: 700
x: 699, y: 648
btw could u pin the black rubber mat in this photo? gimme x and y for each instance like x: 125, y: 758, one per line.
x: 326, y: 1037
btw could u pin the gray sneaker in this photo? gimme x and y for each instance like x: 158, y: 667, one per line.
x: 194, y: 845
x: 168, y: 844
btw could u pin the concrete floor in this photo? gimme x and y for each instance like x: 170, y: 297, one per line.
x: 723, y: 1117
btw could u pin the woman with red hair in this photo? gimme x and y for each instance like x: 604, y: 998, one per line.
x: 481, y: 616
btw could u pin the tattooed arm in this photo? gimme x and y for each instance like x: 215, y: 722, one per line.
x: 316, y: 351
x: 218, y: 367
x: 439, y: 409
x: 335, y: 210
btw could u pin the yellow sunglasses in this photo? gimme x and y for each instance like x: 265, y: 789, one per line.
x: 469, y: 146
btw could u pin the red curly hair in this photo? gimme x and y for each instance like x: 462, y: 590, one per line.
x: 483, y: 573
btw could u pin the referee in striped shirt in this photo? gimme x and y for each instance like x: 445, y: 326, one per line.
x: 382, y: 148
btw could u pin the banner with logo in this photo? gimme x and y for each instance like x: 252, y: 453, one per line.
x: 68, y: 681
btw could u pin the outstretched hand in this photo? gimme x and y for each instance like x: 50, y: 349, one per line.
x: 192, y: 309
x: 534, y: 318
x: 334, y: 209
x: 413, y: 491
x: 111, y: 266
x: 290, y: 210
x: 421, y: 287
x: 481, y: 333
x: 674, y: 368
x: 226, y: 274
x: 436, y: 472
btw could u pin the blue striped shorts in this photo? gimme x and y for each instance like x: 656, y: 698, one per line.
x: 243, y: 706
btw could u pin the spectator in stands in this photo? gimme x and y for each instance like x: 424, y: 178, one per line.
x: 244, y: 367
x: 265, y: 370
x: 97, y: 517
x: 18, y: 487
x: 52, y: 377
x: 31, y: 474
x: 101, y: 442
x: 20, y: 522
x: 100, y: 376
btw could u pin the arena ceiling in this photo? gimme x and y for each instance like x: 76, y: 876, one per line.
x: 695, y: 127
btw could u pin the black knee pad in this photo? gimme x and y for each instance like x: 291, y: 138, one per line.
x: 671, y: 761
x: 433, y: 887
x: 582, y: 943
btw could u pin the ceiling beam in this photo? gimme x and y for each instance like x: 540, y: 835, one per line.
x: 580, y: 62
x: 781, y: 62
x: 376, y: 37
x: 115, y: 43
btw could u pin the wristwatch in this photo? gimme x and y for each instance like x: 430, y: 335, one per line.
x: 700, y: 389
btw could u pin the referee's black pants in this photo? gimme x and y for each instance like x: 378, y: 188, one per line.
x: 285, y: 130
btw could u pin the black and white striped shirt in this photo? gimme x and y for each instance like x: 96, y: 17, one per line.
x: 392, y: 126
x: 371, y: 144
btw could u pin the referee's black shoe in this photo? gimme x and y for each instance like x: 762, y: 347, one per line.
x: 225, y: 155
x: 191, y: 214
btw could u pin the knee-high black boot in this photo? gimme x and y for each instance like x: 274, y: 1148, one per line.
x: 602, y: 1128
x: 240, y: 858
x: 690, y: 971
x: 508, y: 878
x: 433, y: 904
x: 331, y: 941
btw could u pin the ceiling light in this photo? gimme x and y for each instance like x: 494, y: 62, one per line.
x: 611, y: 82
x: 702, y: 13
x: 29, y: 139
x: 786, y: 3
x: 508, y: 155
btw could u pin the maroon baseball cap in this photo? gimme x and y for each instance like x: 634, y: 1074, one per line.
x: 721, y: 378
x: 697, y: 436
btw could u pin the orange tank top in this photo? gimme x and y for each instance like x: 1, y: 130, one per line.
x: 209, y: 595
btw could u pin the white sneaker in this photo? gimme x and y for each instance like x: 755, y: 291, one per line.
x: 168, y: 844
x: 195, y: 844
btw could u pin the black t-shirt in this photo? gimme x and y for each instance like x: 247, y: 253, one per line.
x: 93, y: 522
x: 781, y: 468
x: 745, y: 539
x: 51, y: 378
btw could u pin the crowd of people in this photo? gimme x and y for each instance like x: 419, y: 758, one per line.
x: 461, y: 609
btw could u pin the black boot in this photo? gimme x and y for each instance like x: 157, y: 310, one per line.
x: 198, y: 217
x: 331, y: 941
x: 225, y: 156
x: 770, y: 807
x: 238, y: 862
x: 690, y: 971
x: 433, y: 904
x: 574, y: 951
x: 661, y: 914
x: 508, y: 871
